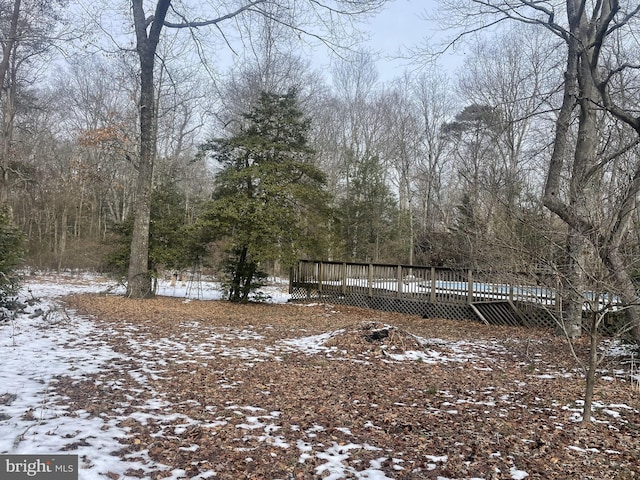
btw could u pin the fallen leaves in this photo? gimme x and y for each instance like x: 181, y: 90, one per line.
x: 292, y: 392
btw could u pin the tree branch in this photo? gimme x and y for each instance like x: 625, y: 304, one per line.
x: 374, y: 5
x: 595, y: 168
x: 625, y: 20
x: 513, y: 13
x: 624, y: 212
x: 203, y: 23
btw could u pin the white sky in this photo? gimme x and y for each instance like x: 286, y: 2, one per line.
x: 401, y: 25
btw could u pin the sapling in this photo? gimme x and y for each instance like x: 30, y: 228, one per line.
x: 596, y: 316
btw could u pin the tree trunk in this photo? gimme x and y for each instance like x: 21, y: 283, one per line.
x: 10, y: 42
x: 248, y: 281
x: 591, y: 369
x: 579, y: 91
x: 7, y: 138
x: 614, y: 262
x: 7, y: 51
x: 236, y: 282
x: 573, y: 286
x: 62, y: 242
x: 139, y: 278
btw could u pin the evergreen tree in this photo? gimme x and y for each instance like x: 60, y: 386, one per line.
x: 11, y: 251
x: 171, y: 243
x: 270, y: 202
x: 369, y: 212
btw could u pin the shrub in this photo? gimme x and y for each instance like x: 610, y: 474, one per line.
x: 11, y: 256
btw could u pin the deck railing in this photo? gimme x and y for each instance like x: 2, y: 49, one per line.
x: 434, y: 284
x: 420, y: 289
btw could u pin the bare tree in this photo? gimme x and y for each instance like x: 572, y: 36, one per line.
x: 26, y: 33
x: 597, y: 39
x: 92, y: 102
x: 434, y: 99
x: 588, y: 78
x: 270, y: 63
x: 325, y: 22
x: 432, y: 93
x: 510, y: 74
x: 10, y: 39
x: 401, y: 146
x: 599, y: 96
x: 356, y: 85
x: 360, y: 120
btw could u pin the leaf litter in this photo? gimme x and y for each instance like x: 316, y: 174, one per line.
x: 175, y: 388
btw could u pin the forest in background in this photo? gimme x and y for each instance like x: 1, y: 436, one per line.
x: 425, y: 169
x: 431, y: 168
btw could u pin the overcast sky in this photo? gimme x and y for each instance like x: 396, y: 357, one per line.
x: 400, y: 25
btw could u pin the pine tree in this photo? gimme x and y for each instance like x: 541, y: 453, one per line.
x: 270, y: 202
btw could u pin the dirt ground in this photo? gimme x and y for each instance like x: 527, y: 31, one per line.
x: 477, y: 402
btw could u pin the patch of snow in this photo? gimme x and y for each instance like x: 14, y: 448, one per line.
x: 36, y: 352
x: 517, y: 474
x: 313, y: 344
x: 437, y: 458
x: 582, y: 450
x: 335, y: 458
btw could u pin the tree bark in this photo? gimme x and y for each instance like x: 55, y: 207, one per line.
x: 62, y: 241
x: 579, y: 91
x: 7, y: 52
x: 139, y: 281
x: 585, y: 88
x: 10, y: 42
x: 613, y: 259
x: 7, y: 140
x: 591, y: 368
x: 573, y: 286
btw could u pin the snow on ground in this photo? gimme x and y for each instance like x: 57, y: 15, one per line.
x: 205, y: 290
x: 46, y: 343
x: 32, y: 357
x: 36, y: 350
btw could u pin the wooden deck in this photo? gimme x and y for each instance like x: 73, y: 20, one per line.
x: 492, y: 297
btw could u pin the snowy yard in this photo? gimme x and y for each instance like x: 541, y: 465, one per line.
x: 184, y: 388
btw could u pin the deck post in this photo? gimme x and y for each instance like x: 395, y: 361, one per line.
x: 432, y: 293
x: 344, y: 278
x: 307, y: 279
x: 292, y: 279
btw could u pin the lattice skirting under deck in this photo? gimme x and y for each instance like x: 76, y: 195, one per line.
x: 532, y: 317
